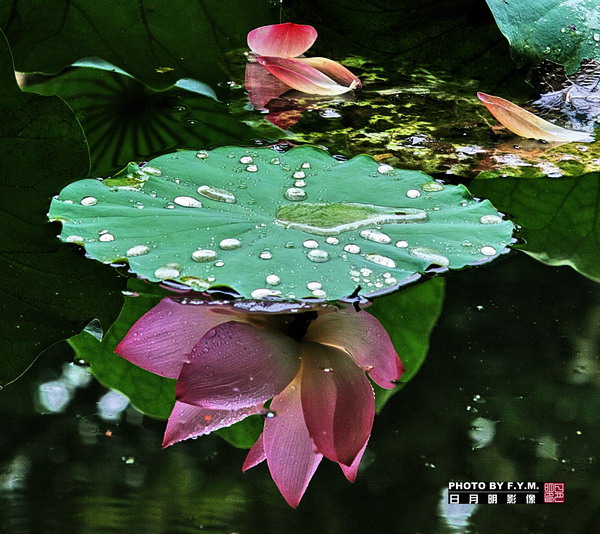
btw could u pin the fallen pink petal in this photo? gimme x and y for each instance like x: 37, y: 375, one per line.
x: 312, y: 368
x: 526, y: 124
x: 278, y: 47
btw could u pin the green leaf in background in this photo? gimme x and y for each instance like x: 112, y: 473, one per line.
x: 151, y: 394
x: 409, y: 317
x: 563, y: 31
x: 295, y: 225
x: 558, y: 218
x: 48, y: 292
x: 125, y: 121
x: 157, y: 42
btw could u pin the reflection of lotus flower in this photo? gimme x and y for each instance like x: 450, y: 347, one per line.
x: 227, y: 365
x: 277, y: 48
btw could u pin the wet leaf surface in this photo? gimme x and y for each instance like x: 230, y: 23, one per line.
x: 294, y: 225
x: 564, y: 31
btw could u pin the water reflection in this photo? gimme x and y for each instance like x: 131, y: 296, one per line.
x: 76, y: 472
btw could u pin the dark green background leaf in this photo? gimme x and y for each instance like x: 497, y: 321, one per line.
x: 48, y: 291
x: 563, y: 31
x: 409, y: 317
x: 459, y: 36
x: 559, y: 217
x: 143, y: 37
x: 125, y: 121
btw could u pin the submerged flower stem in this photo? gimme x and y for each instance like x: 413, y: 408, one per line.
x: 299, y: 326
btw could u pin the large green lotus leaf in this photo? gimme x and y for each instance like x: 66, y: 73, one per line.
x: 151, y: 394
x: 157, y: 42
x: 296, y: 224
x: 409, y: 317
x: 564, y: 31
x: 558, y: 218
x: 48, y: 291
x: 124, y: 120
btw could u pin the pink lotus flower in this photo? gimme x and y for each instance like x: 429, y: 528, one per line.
x: 228, y: 364
x: 278, y: 49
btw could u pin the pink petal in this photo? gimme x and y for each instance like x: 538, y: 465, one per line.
x: 255, y: 455
x: 282, y: 40
x: 526, y: 124
x: 365, y: 339
x: 337, y: 400
x: 302, y: 77
x: 235, y: 365
x: 188, y: 421
x: 338, y: 73
x: 262, y: 86
x: 162, y: 339
x: 351, y: 472
x: 291, y: 454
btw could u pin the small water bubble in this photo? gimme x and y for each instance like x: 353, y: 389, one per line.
x: 384, y: 169
x: 432, y: 187
x: 74, y: 239
x: 88, y: 201
x: 289, y: 244
x: 299, y: 175
x: 327, y: 369
x: 138, y: 250
x: 490, y: 219
x: 129, y: 460
x: 246, y: 159
x: 204, y: 255
x: 252, y: 168
x: 313, y: 286
x: 310, y: 243
x: 170, y: 270
x: 230, y: 244
x: 300, y: 183
x: 106, y: 237
x: 295, y: 194
x: 202, y: 154
x: 187, y: 202
x: 376, y: 236
x: 381, y: 260
x: 170, y: 205
x: 219, y: 263
x: 318, y: 256
x: 273, y: 280
x: 191, y: 122
x: 390, y: 281
x: 402, y: 244
x: 596, y: 37
x: 265, y: 255
x: 275, y: 161
x: 352, y: 248
x: 413, y: 193
x: 218, y: 194
x: 332, y: 240
x: 365, y: 271
x: 488, y: 251
x: 305, y: 165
